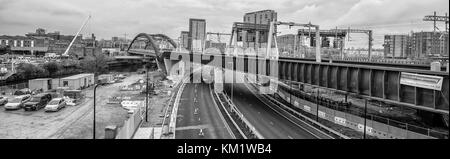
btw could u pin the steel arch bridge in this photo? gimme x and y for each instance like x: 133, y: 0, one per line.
x: 154, y: 41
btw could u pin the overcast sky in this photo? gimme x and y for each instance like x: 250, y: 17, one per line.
x: 117, y: 17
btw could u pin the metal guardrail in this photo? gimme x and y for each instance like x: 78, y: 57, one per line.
x: 172, y: 124
x: 304, y: 118
x: 220, y: 112
x: 229, y: 116
x: 241, y: 116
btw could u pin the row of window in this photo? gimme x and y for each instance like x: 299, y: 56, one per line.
x: 260, y: 17
x: 26, y: 43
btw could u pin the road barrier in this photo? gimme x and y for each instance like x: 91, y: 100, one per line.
x: 393, y: 130
x: 309, y: 122
x: 221, y: 110
x: 240, y: 134
x: 174, y: 101
x: 253, y: 133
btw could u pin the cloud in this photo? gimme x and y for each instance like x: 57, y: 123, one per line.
x: 117, y: 17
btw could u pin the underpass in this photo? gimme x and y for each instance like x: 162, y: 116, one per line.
x: 198, y: 111
x: 269, y: 123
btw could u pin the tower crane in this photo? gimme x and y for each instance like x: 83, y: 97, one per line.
x: 66, y: 53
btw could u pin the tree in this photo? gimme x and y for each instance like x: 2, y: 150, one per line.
x: 52, y: 68
x: 5, y: 50
x: 95, y: 64
x: 30, y: 71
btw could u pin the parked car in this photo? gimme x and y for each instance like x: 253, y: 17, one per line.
x: 75, y: 96
x: 55, y: 105
x: 3, y: 100
x: 22, y: 92
x: 37, y: 102
x: 17, y: 102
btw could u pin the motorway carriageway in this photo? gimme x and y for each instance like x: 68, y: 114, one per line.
x: 206, y: 117
x: 266, y: 121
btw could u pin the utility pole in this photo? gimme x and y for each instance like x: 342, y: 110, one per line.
x: 365, y: 118
x: 435, y: 18
x: 146, y: 94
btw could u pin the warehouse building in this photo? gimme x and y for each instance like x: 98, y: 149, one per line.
x: 79, y: 81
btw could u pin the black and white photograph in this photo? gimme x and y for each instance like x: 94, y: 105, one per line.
x: 224, y: 69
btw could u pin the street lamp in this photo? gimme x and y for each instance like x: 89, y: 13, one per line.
x: 95, y: 89
x: 365, y: 118
x: 146, y: 93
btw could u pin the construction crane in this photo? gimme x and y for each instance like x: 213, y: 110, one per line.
x: 435, y: 18
x: 66, y: 53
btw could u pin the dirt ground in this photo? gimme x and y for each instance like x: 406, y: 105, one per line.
x: 72, y: 122
x: 158, y: 104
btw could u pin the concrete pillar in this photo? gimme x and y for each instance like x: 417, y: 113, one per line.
x: 218, y: 80
x: 168, y: 63
x: 234, y: 41
x: 244, y: 39
x: 32, y: 43
x: 370, y: 45
x: 269, y: 40
x: 257, y: 41
x: 15, y: 43
x: 435, y: 66
x: 21, y: 43
x: 318, y: 45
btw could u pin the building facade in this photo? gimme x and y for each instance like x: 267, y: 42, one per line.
x: 250, y: 37
x: 430, y: 44
x: 40, y: 42
x: 197, y: 34
x: 23, y: 45
x: 397, y: 46
x: 184, y: 39
x: 260, y: 17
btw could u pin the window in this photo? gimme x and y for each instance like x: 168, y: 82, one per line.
x: 265, y: 16
x: 260, y: 19
x: 65, y: 83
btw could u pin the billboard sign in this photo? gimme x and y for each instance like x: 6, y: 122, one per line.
x: 422, y: 81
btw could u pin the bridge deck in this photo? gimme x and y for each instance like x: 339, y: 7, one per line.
x: 373, y: 82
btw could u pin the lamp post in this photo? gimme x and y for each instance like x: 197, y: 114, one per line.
x: 365, y: 117
x: 146, y: 94
x: 95, y: 89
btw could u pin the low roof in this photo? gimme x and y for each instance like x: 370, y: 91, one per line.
x: 78, y: 76
x: 40, y: 79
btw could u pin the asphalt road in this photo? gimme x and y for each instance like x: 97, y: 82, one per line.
x: 269, y: 123
x: 189, y: 123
